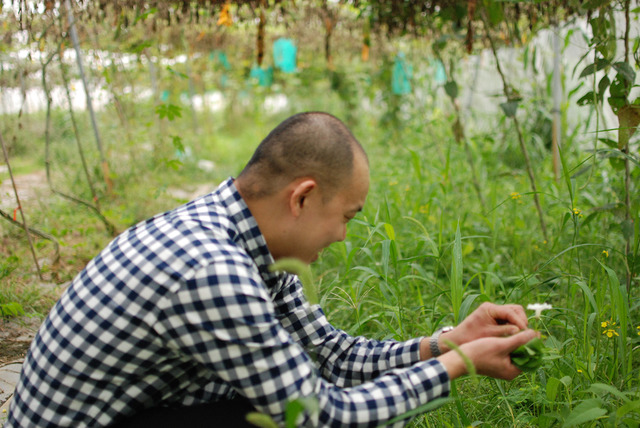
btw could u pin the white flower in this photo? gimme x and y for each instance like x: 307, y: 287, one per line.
x: 539, y: 307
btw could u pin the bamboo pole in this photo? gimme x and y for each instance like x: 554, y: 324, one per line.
x: 95, y: 208
x: 155, y: 87
x: 557, y: 91
x: 260, y: 36
x: 36, y: 232
x: 111, y: 229
x: 76, y: 133
x: 460, y: 135
x: 76, y: 45
x: 627, y: 163
x: 523, y: 147
x: 192, y: 94
x: 24, y: 219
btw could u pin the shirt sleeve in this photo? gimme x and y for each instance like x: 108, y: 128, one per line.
x: 225, y: 319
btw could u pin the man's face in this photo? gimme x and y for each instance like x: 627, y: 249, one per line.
x: 325, y: 222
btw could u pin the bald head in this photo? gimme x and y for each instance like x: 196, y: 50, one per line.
x: 313, y: 144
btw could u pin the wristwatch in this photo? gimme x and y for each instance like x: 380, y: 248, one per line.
x: 433, y: 340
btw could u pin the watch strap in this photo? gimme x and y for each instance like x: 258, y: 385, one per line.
x: 433, y: 341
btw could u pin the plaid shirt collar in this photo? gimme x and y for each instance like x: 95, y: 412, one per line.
x: 247, y: 233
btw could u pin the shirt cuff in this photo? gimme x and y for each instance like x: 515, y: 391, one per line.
x: 409, y: 354
x: 431, y: 380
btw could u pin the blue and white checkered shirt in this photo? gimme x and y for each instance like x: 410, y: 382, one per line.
x: 182, y: 309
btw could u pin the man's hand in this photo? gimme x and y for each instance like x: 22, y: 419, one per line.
x: 489, y: 320
x: 490, y: 356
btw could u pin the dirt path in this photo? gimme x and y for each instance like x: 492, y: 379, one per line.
x: 16, y: 335
x: 31, y: 188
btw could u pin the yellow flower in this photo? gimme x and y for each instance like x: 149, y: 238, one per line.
x: 225, y: 17
x: 638, y: 330
x: 610, y: 333
x: 407, y: 188
x: 579, y: 371
x: 609, y: 328
x: 393, y: 183
x: 576, y: 212
x: 424, y: 209
x: 605, y: 253
x: 515, y: 195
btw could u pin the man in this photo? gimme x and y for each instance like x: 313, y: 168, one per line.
x: 179, y: 319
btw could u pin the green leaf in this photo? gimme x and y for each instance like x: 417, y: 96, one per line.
x: 627, y: 229
x: 609, y: 142
x: 628, y: 119
x: 417, y: 164
x: 625, y: 70
x: 176, y: 140
x: 509, y: 108
x: 616, y: 103
x: 169, y: 111
x: 11, y: 309
x: 174, y: 164
x: 601, y: 387
x: 616, y: 163
x: 140, y: 46
x: 496, y: 14
x: 566, y: 380
x: 390, y: 231
x: 432, y: 405
x: 620, y: 88
x: 596, y: 66
x: 552, y: 388
x: 528, y: 357
x: 468, y: 303
x: 588, y: 410
x: 587, y: 98
x: 602, y: 86
x: 261, y: 420
x: 631, y: 406
x: 144, y: 15
x: 297, y: 406
x: 177, y: 73
x: 451, y: 88
x: 588, y: 294
x: 593, y: 4
x: 456, y: 276
x: 303, y: 271
x: 471, y: 368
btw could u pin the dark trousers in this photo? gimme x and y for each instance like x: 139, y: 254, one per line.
x: 228, y: 413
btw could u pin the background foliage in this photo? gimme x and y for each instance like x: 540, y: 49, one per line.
x: 494, y: 178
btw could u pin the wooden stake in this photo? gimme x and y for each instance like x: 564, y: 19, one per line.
x: 523, y: 147
x: 76, y: 45
x: 24, y: 220
x: 557, y: 91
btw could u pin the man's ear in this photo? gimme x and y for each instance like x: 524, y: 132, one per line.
x: 301, y: 191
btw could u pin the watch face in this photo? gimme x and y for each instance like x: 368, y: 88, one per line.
x: 447, y: 328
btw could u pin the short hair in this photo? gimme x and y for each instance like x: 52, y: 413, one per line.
x: 313, y: 144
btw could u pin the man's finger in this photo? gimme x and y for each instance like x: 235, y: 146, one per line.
x: 505, y: 330
x: 513, y: 314
x: 522, y: 338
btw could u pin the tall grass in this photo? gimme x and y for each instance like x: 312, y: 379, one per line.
x: 452, y: 254
x: 423, y: 253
